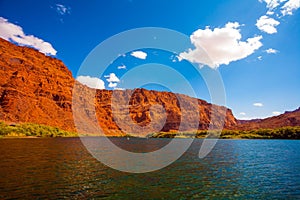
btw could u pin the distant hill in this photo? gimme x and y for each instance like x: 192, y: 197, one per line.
x: 289, y: 118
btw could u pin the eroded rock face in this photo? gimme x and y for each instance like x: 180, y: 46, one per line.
x: 143, y: 111
x: 37, y: 88
x: 34, y: 87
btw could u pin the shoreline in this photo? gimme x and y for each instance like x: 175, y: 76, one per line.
x: 30, y: 130
x: 146, y: 138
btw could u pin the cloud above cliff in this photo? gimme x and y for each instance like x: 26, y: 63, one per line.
x: 276, y: 113
x: 112, y: 79
x: 286, y: 7
x: 92, y: 82
x: 122, y: 67
x: 258, y: 105
x: 272, y: 4
x: 289, y: 7
x: 214, y: 47
x: 267, y: 24
x: 62, y: 9
x: 139, y: 54
x: 271, y: 51
x: 14, y: 33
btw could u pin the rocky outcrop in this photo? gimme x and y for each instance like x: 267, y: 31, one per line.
x: 38, y: 88
x: 34, y: 87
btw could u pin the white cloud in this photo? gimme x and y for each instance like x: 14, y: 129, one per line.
x: 276, y: 113
x: 176, y: 58
x: 289, y: 7
x: 119, y: 88
x: 242, y: 113
x: 179, y: 58
x: 91, y: 82
x: 271, y: 51
x: 267, y: 24
x: 259, y: 57
x: 112, y: 78
x: 272, y: 4
x: 15, y: 33
x: 222, y: 45
x: 122, y: 67
x: 62, y: 9
x: 112, y: 85
x: 258, y: 104
x: 139, y: 54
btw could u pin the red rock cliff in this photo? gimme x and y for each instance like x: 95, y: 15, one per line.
x: 38, y: 88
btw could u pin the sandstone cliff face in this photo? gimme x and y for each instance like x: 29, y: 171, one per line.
x: 37, y: 88
x: 34, y: 87
x: 178, y: 109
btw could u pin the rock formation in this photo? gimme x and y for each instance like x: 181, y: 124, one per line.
x: 39, y: 89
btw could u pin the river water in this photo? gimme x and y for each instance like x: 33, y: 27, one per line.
x: 55, y: 168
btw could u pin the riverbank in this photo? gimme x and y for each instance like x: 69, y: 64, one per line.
x: 278, y: 133
x: 30, y: 130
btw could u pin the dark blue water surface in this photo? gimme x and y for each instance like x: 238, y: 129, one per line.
x: 53, y: 168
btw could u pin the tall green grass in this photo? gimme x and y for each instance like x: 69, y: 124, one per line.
x: 30, y: 129
x: 278, y: 133
x: 38, y: 130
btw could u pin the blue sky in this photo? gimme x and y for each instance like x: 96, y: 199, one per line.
x: 260, y: 75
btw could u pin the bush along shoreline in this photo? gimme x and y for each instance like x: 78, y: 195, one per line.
x: 277, y: 133
x: 32, y: 130
x: 38, y: 130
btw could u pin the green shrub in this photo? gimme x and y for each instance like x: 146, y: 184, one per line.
x: 278, y: 133
x: 30, y: 129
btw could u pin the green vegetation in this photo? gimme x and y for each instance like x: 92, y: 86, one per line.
x: 279, y: 133
x: 38, y: 130
x: 33, y: 130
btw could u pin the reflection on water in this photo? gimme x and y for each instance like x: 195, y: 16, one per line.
x: 62, y: 168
